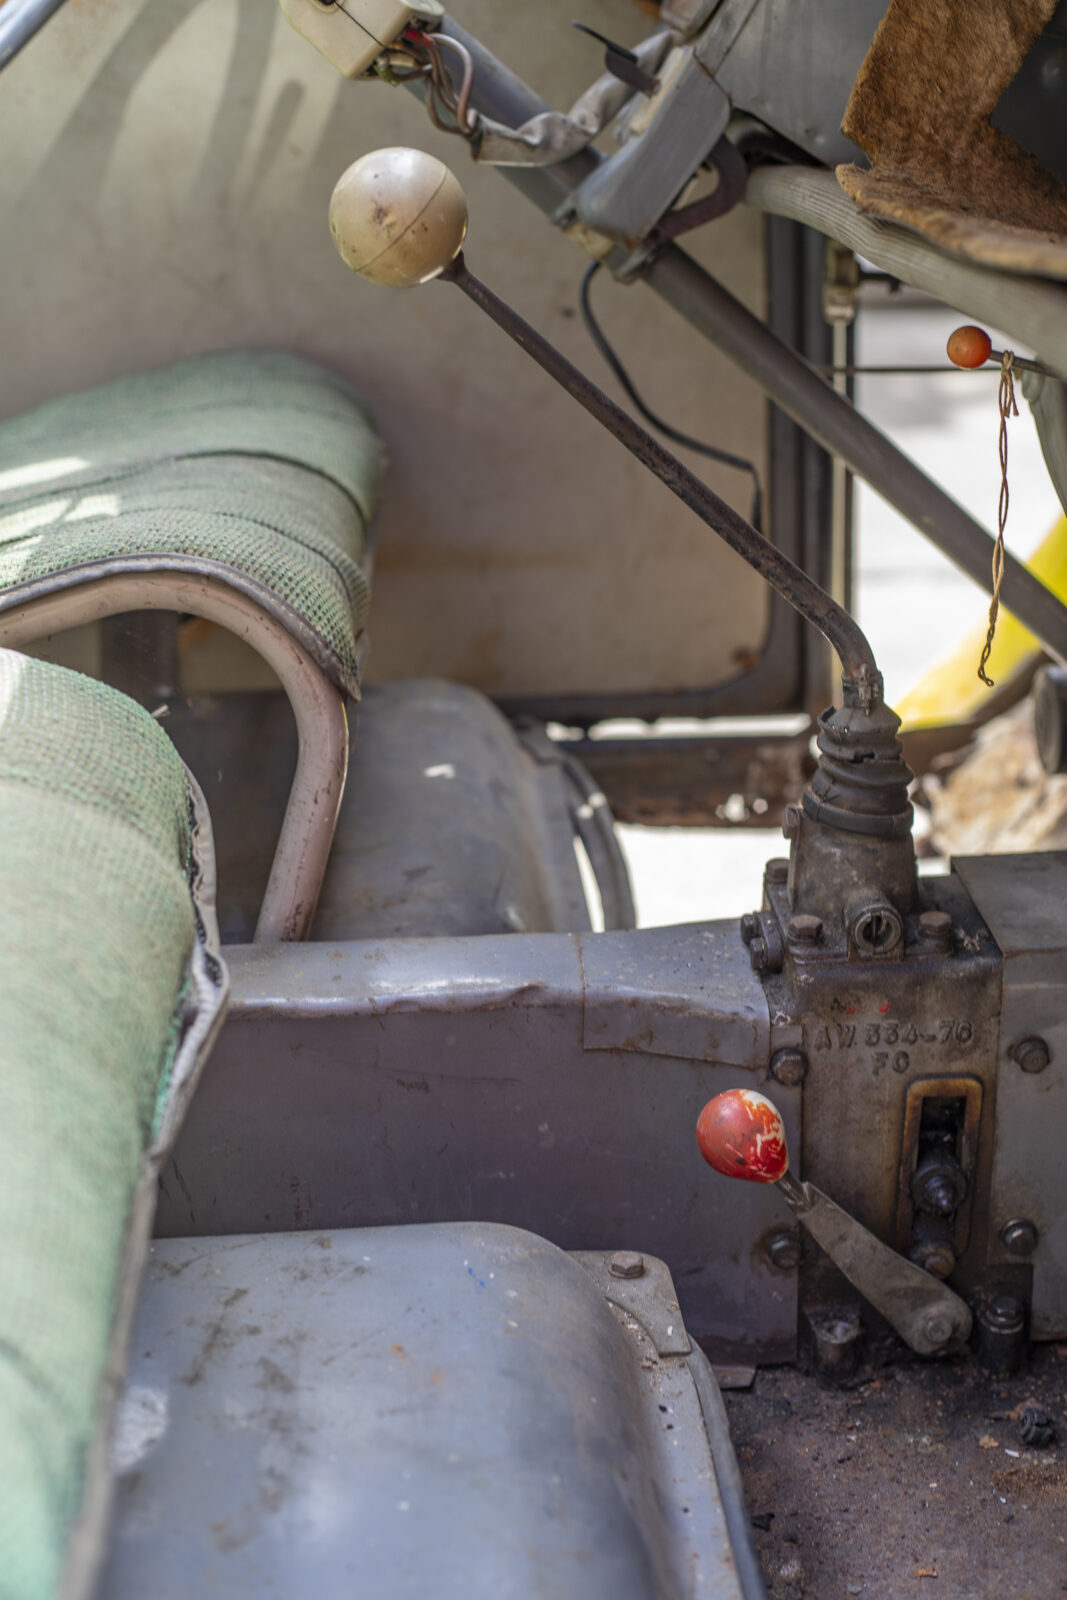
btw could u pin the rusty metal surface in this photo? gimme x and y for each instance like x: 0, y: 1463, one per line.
x: 1023, y: 898
x: 870, y: 1031
x: 688, y: 781
x: 375, y: 1082
x: 403, y: 1412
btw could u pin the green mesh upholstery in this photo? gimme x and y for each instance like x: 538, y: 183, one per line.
x: 252, y: 466
x: 100, y: 991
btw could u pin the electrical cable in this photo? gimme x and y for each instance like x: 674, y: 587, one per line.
x: 596, y: 333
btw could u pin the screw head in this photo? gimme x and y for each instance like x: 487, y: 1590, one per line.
x: 805, y: 929
x: 789, y: 1067
x: 1019, y: 1237
x: 1032, y: 1055
x: 935, y: 925
x: 627, y: 1264
x: 783, y: 1251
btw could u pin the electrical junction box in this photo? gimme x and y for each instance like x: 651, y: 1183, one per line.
x: 350, y: 33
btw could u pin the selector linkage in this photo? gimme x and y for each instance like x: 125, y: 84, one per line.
x: 741, y: 1134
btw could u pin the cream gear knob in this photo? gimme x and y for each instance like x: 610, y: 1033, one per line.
x: 398, y: 217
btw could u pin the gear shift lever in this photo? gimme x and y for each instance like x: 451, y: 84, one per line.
x: 741, y: 1134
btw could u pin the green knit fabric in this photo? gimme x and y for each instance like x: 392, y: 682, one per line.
x: 97, y: 929
x: 252, y: 463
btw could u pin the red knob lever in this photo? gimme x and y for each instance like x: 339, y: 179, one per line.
x: 741, y: 1134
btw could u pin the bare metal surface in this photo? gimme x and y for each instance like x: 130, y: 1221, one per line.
x: 370, y: 1082
x: 307, y: 829
x: 20, y: 22
x: 1023, y: 897
x: 402, y: 1412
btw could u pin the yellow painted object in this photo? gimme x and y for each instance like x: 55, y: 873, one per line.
x: 951, y: 691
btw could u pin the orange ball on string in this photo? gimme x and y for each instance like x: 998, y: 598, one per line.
x: 969, y: 346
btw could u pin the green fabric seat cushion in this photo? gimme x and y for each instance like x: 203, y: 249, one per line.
x: 97, y: 990
x: 253, y: 466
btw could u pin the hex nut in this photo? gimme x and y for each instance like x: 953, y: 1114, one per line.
x: 935, y: 925
x: 757, y: 955
x: 627, y: 1264
x: 934, y: 1257
x: 777, y: 871
x: 791, y: 822
x: 749, y: 926
x: 789, y: 1067
x: 1019, y: 1237
x: 805, y: 929
x: 1032, y: 1055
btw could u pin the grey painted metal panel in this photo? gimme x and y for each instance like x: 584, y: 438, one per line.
x: 449, y: 823
x: 709, y: 1005
x: 1022, y: 898
x: 793, y: 63
x: 377, y: 1082
x: 405, y: 1412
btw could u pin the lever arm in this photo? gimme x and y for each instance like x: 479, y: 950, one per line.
x: 741, y: 1134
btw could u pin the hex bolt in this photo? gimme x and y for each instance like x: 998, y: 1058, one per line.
x: 936, y: 925
x: 749, y: 926
x: 776, y: 871
x: 1019, y: 1237
x: 789, y: 1067
x: 1031, y: 1054
x: 757, y: 955
x: 1006, y: 1313
x: 805, y: 929
x: 783, y: 1251
x: 937, y: 1327
x: 791, y: 822
x: 627, y: 1264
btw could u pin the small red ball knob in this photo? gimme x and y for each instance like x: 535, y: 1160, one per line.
x: 741, y: 1134
x: 969, y: 346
